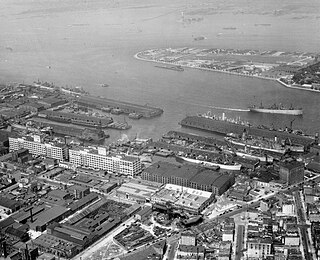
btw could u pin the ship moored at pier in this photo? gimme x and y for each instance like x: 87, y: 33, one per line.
x: 223, y: 165
x: 222, y: 125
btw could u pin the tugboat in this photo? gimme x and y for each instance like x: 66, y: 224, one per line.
x: 134, y: 115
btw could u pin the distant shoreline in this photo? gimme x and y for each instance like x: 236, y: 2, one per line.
x: 226, y: 72
x: 205, y: 69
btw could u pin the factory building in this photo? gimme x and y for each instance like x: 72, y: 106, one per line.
x: 100, y: 159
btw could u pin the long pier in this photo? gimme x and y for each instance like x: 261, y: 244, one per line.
x: 126, y: 107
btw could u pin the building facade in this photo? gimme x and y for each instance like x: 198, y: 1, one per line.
x: 99, y: 159
x: 259, y: 248
x: 291, y: 171
x: 36, y: 146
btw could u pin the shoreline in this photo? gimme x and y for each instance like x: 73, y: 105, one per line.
x: 290, y: 86
x: 205, y: 69
x: 226, y: 72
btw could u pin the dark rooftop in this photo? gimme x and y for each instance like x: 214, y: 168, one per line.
x: 196, y: 174
x: 8, y: 203
x: 290, y: 164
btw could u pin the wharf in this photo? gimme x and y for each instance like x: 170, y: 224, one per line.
x: 224, y: 127
x: 77, y: 119
x: 194, y: 138
x: 185, y: 149
x: 74, y: 131
x: 125, y: 107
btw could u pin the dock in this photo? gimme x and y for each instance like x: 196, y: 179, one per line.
x: 125, y: 107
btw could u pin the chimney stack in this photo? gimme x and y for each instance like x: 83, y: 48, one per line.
x: 316, y: 139
x: 31, y: 215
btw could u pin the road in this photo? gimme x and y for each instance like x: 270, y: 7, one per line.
x: 302, y: 226
x: 172, y: 250
x: 239, y: 245
x: 256, y: 202
x: 102, y: 241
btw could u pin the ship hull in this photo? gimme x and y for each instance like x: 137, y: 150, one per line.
x: 293, y: 112
x: 295, y: 148
x: 274, y: 150
x: 224, y: 127
x: 230, y: 167
x: 170, y: 68
x: 255, y: 157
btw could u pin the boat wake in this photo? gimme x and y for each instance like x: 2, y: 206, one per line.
x: 230, y: 109
x: 221, y: 108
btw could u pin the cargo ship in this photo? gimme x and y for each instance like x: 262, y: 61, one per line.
x: 176, y: 68
x: 223, y: 165
x: 277, y: 109
x: 257, y: 144
x: 222, y: 125
x: 254, y: 156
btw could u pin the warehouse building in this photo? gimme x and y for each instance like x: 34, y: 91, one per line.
x: 190, y: 176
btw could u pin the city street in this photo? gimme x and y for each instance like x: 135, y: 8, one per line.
x: 239, y: 245
x: 302, y: 227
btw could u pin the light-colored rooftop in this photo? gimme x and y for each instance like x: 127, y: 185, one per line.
x: 137, y: 189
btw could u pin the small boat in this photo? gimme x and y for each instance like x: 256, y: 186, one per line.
x: 106, y: 109
x: 116, y: 111
x: 104, y: 85
x: 134, y: 115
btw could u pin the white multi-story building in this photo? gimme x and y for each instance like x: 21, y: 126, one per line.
x: 259, y: 248
x: 36, y: 146
x: 100, y: 159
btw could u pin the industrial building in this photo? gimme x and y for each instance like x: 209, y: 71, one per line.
x: 291, y: 171
x: 57, y: 246
x: 179, y: 197
x: 9, y: 206
x: 100, y: 159
x: 138, y: 192
x: 41, y: 220
x: 36, y: 146
x: 190, y: 176
x: 50, y: 102
x: 32, y: 107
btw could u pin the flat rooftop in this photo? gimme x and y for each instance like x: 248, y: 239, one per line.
x: 136, y: 189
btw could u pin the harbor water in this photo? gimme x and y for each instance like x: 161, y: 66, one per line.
x: 89, y: 43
